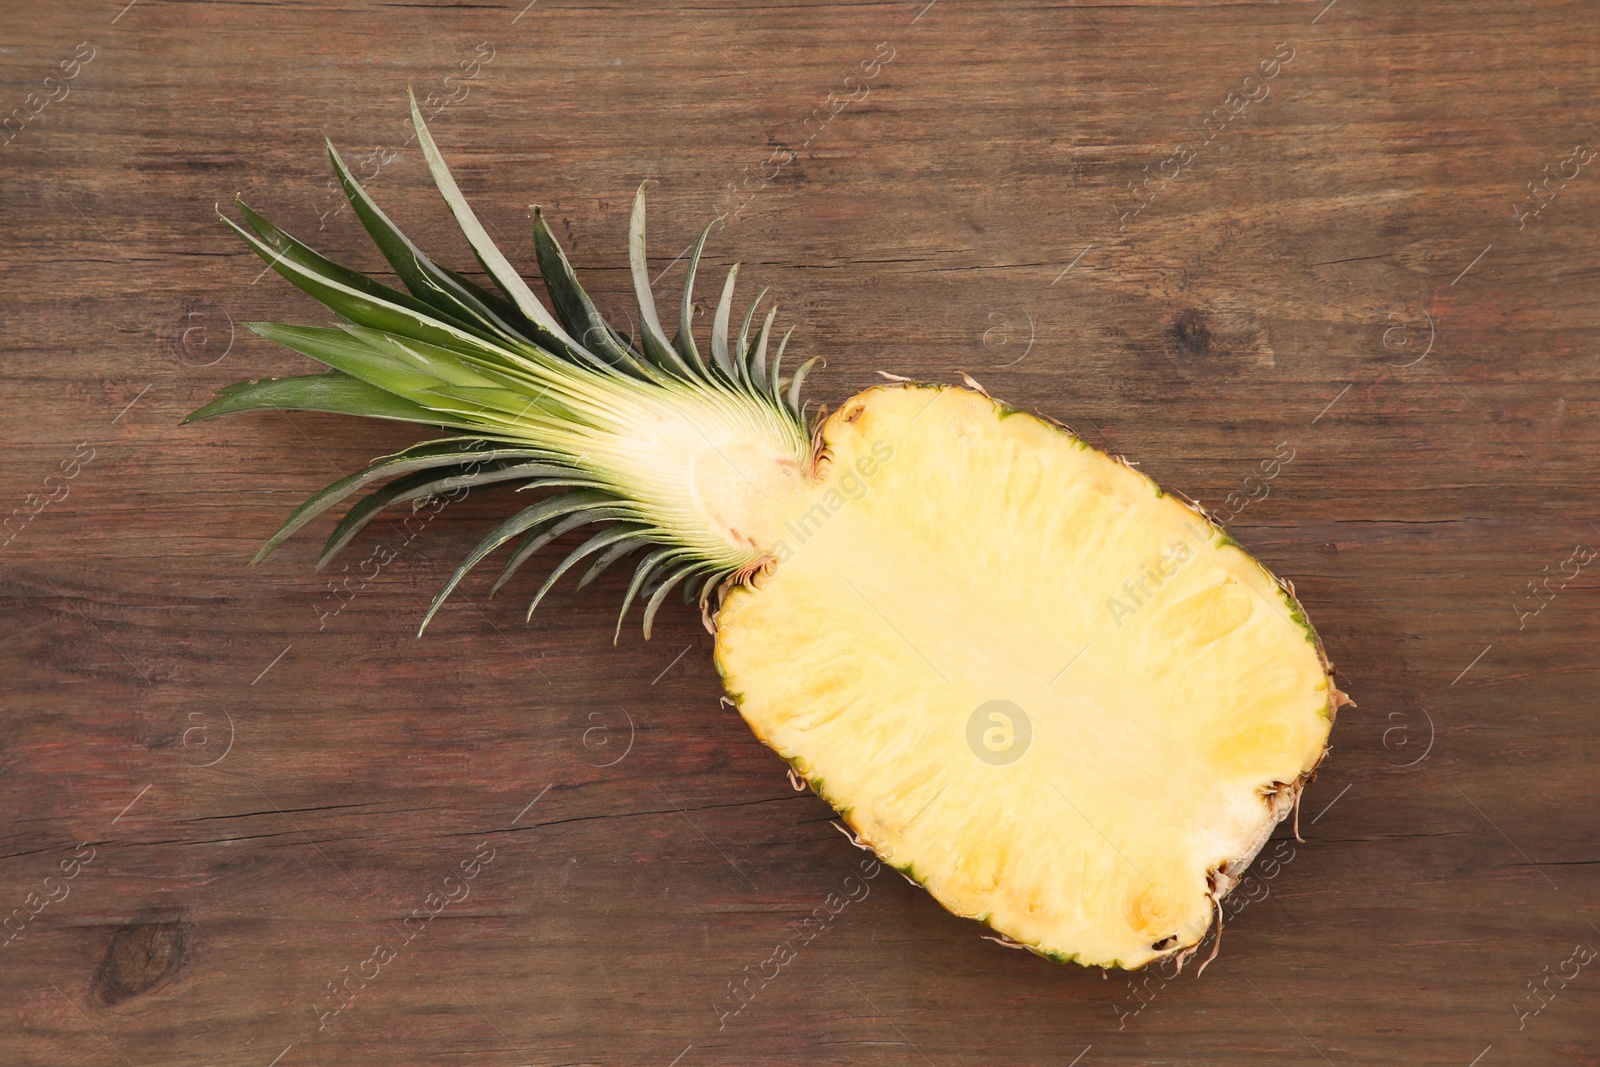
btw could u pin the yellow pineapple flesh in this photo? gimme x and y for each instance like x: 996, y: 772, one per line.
x: 1056, y: 697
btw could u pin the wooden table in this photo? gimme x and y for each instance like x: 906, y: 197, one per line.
x: 1204, y: 236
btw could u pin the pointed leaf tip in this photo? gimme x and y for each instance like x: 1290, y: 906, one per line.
x: 489, y: 255
x: 652, y: 337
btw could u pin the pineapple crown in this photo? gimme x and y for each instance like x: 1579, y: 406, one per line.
x: 525, y: 392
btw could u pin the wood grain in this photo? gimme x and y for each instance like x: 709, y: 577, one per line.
x: 253, y: 792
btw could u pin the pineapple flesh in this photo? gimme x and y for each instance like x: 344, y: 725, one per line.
x: 1063, y: 701
x: 1159, y: 696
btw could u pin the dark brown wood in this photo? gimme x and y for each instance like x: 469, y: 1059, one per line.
x: 264, y: 790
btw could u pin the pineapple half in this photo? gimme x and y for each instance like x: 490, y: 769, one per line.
x: 1061, y: 700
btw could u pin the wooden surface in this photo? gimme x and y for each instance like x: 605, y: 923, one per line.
x: 260, y: 789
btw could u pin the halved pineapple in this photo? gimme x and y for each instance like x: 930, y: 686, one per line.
x: 1064, y: 702
x: 1053, y: 695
